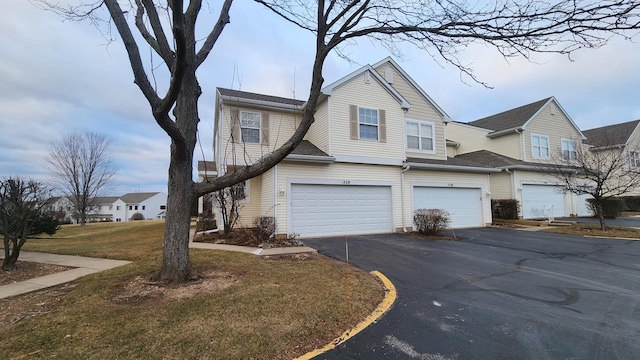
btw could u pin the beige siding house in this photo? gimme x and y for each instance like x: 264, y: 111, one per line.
x: 376, y: 152
x: 520, y: 142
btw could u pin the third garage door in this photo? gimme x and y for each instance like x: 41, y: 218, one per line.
x: 463, y: 204
x: 538, y: 199
x: 324, y: 210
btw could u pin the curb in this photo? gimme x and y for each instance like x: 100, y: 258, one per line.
x: 389, y: 298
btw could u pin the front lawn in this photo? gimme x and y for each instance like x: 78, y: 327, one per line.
x: 594, y: 230
x: 263, y: 309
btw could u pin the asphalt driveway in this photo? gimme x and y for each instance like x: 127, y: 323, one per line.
x: 499, y: 294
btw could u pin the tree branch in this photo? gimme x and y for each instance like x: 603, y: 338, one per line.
x: 223, y: 20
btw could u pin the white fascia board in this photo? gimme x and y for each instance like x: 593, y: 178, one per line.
x: 233, y: 100
x: 368, y: 160
x: 328, y: 90
x: 310, y: 158
x: 458, y: 123
x: 388, y: 59
x: 453, y: 167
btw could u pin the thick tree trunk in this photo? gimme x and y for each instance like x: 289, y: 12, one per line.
x: 176, y: 265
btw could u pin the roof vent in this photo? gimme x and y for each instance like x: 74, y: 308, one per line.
x: 367, y: 77
x: 552, y: 108
x: 388, y: 75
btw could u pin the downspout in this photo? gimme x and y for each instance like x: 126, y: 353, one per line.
x: 522, y: 157
x: 404, y: 225
x: 275, y: 198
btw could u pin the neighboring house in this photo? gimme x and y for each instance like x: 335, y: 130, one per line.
x: 376, y: 151
x: 623, y: 136
x: 62, y: 208
x: 151, y: 205
x: 114, y: 208
x: 520, y: 142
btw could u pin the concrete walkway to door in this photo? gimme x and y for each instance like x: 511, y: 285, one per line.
x: 83, y: 266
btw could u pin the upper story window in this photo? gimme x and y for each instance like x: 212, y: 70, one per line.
x: 250, y: 123
x: 368, y: 123
x: 634, y: 155
x: 569, y: 152
x: 420, y: 135
x: 539, y: 146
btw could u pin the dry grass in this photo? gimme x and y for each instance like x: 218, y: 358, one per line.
x: 274, y: 309
x: 594, y: 230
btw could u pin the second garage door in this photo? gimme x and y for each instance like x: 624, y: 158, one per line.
x: 463, y: 204
x: 537, y: 199
x: 324, y: 210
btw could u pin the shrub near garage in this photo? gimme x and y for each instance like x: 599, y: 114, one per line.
x: 430, y: 221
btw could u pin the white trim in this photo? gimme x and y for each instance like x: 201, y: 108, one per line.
x: 329, y: 126
x: 235, y: 101
x: 310, y: 158
x: 470, y: 126
x: 541, y: 182
x: 328, y: 90
x: 533, y: 155
x: 433, y: 136
x: 447, y: 185
x: 275, y: 196
x: 388, y: 59
x: 356, y: 159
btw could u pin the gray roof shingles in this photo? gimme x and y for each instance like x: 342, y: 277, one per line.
x: 510, y: 119
x: 207, y: 166
x: 253, y: 96
x: 479, y: 159
x: 617, y: 134
x: 134, y: 198
x: 307, y: 148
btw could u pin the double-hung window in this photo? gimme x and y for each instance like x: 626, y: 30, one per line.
x: 634, y: 155
x: 569, y: 152
x: 420, y: 135
x: 250, y: 127
x: 539, y: 146
x: 368, y: 123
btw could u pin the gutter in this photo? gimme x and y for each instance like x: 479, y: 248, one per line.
x: 454, y: 167
x: 504, y: 132
x: 311, y: 158
x: 261, y: 103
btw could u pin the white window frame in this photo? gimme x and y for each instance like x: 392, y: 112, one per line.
x: 420, y: 136
x: 533, y: 152
x: 634, y: 157
x: 376, y: 125
x: 569, y: 143
x: 259, y: 127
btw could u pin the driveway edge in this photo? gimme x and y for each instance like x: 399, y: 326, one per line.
x: 383, y: 307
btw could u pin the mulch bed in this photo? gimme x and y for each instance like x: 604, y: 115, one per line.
x: 244, y: 237
x: 26, y: 270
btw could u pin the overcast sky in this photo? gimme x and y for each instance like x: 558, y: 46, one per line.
x: 60, y: 76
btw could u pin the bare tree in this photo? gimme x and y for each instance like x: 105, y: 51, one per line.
x: 603, y: 172
x: 228, y: 201
x: 82, y: 168
x: 440, y: 27
x: 22, y: 214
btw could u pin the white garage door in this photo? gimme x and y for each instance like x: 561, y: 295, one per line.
x: 463, y: 204
x: 324, y: 210
x: 582, y: 205
x: 536, y: 199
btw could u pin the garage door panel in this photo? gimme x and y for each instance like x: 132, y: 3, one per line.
x: 322, y: 210
x: 464, y: 205
x: 537, y: 199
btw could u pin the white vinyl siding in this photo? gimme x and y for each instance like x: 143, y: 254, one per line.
x: 555, y: 127
x: 464, y: 205
x: 539, y: 146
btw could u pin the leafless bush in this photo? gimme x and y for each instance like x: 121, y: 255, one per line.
x: 430, y: 221
x: 137, y: 216
x: 264, y: 228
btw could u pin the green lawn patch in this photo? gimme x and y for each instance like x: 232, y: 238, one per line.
x: 268, y: 308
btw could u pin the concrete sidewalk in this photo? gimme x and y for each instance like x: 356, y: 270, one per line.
x: 83, y: 266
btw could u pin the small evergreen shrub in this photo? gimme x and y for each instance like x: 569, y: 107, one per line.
x: 505, y: 209
x: 137, y: 216
x: 632, y: 203
x: 611, y: 208
x: 430, y: 221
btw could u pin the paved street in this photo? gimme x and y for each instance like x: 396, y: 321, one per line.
x: 499, y: 294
